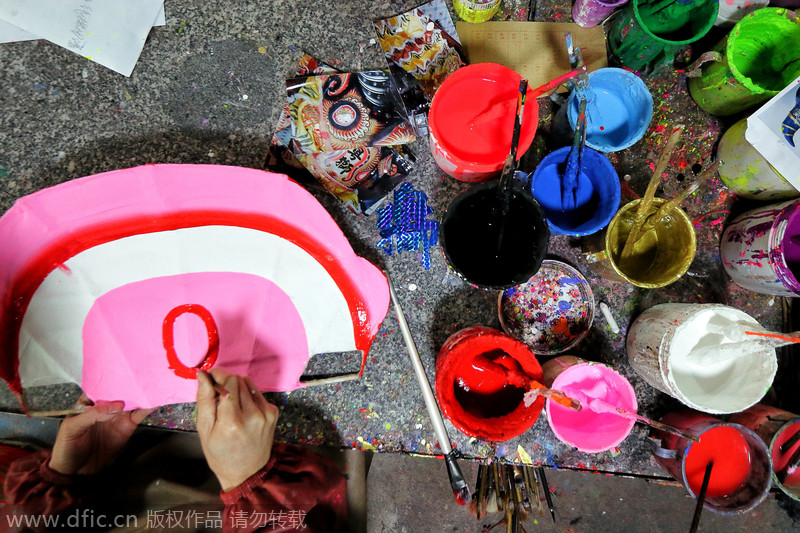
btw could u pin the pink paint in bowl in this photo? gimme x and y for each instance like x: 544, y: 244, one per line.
x: 587, y: 430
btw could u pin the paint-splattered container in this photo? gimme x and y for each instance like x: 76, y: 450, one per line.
x: 649, y: 32
x: 476, y: 11
x: 775, y: 427
x: 746, y: 172
x: 476, y: 407
x: 732, y: 11
x: 736, y: 449
x: 660, y: 340
x: 590, y: 13
x: 755, y: 61
x: 760, y: 249
x: 552, y: 312
x: 588, y: 430
x: 471, y: 121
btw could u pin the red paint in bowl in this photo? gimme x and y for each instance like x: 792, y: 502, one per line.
x: 472, y: 118
x: 480, y: 405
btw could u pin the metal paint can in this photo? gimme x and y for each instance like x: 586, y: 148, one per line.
x: 753, y: 63
x: 661, y: 257
x: 656, y: 347
x: 760, y: 249
x: 746, y: 172
x: 676, y: 455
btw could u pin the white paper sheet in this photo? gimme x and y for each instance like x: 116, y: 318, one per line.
x: 109, y: 32
x: 765, y: 131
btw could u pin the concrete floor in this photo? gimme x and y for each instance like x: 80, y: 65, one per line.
x: 412, y: 494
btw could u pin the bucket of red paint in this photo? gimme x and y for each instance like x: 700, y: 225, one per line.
x: 740, y: 478
x: 471, y: 121
x: 478, y: 407
x: 775, y: 427
x: 587, y: 430
x: 760, y: 249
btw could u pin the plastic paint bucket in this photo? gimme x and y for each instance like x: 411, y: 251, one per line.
x: 732, y: 11
x: 754, y: 62
x: 619, y: 109
x: 740, y: 478
x: 476, y: 10
x: 589, y: 431
x: 486, y: 252
x: 660, y: 257
x: 663, y: 344
x: 650, y: 31
x: 775, y: 427
x: 551, y: 312
x: 479, y: 407
x: 471, y: 121
x: 760, y: 249
x: 589, y: 13
x: 598, y: 192
x: 745, y: 171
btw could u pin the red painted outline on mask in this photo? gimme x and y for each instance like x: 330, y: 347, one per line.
x: 168, y: 338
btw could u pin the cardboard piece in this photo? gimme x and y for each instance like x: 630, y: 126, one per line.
x: 772, y: 130
x: 536, y: 50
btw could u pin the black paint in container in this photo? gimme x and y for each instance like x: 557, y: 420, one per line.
x: 471, y: 236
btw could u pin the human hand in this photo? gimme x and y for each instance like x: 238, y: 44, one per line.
x: 89, y: 441
x: 236, y: 431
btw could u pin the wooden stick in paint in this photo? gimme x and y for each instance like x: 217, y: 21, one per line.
x: 650, y: 192
x: 537, y: 389
x: 601, y: 406
x: 701, y: 498
x: 328, y: 381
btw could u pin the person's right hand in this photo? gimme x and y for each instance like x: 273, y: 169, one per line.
x: 236, y: 432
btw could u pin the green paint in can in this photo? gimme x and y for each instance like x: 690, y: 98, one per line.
x: 648, y: 32
x: 757, y: 59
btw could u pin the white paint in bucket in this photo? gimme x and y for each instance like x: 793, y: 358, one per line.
x: 665, y: 341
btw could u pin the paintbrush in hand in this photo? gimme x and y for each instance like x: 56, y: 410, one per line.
x: 570, y: 181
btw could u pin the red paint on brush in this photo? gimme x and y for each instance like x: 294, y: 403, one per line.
x: 727, y: 448
x: 477, y: 376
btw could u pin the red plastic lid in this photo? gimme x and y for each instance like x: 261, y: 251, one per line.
x: 472, y: 116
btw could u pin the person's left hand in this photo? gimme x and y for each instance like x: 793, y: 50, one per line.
x: 89, y: 441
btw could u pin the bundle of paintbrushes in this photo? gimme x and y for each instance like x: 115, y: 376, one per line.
x: 513, y: 490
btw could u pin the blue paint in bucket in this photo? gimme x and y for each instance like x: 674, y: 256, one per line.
x: 618, y: 112
x: 598, y: 193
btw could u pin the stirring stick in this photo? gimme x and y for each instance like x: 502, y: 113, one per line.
x: 701, y: 498
x: 457, y: 482
x: 649, y: 194
x: 537, y: 389
x: 601, y: 406
x: 791, y: 441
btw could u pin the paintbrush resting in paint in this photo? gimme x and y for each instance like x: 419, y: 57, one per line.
x: 743, y: 338
x: 506, y: 371
x: 507, y: 175
x: 457, y: 482
x: 570, y: 181
x: 701, y: 498
x: 601, y: 406
x: 647, y: 200
x: 668, y: 207
x: 555, y: 83
x: 791, y: 466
